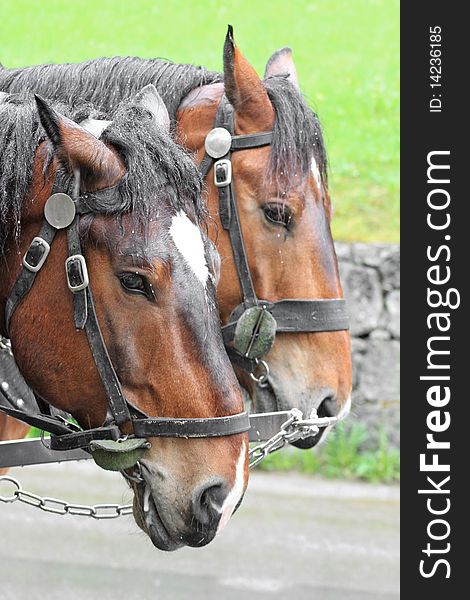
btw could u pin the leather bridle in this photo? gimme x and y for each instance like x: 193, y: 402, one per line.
x: 248, y: 335
x: 63, y: 210
x: 253, y: 324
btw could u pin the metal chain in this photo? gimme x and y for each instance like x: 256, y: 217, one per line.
x: 5, y: 345
x: 62, y: 507
x: 263, y: 379
x: 293, y: 429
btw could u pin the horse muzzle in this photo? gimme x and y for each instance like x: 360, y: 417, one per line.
x: 173, y: 519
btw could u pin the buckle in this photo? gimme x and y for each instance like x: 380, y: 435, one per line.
x: 77, y: 273
x: 36, y: 254
x: 222, y: 173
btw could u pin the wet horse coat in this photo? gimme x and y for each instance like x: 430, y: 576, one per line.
x: 282, y: 198
x: 145, y: 290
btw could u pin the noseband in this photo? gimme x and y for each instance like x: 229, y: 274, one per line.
x: 110, y: 447
x: 253, y: 324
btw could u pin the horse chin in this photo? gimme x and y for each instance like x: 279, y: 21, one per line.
x: 149, y: 520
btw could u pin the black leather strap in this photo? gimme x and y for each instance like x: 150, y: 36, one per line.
x: 80, y: 302
x: 242, y: 362
x: 205, y: 165
x: 251, y: 140
x: 85, y: 317
x: 329, y: 314
x: 117, y: 402
x: 298, y: 316
x: 82, y: 439
x: 50, y: 424
x: 192, y: 428
x: 26, y: 277
x: 229, y: 214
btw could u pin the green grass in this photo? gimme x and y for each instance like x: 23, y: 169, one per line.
x: 342, y: 456
x: 347, y: 57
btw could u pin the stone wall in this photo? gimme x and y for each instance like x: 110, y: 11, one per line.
x: 370, y: 275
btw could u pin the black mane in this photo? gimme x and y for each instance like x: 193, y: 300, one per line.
x: 107, y: 81
x: 158, y: 170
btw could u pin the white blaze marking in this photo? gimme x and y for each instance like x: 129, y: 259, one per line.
x: 235, y: 493
x: 188, y: 240
x: 316, y: 173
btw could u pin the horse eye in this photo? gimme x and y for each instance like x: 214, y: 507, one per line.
x: 135, y: 283
x: 278, y: 213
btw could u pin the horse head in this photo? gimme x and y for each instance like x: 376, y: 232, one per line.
x: 150, y: 268
x: 285, y: 211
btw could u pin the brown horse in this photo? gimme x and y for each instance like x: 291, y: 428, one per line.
x: 150, y: 267
x: 282, y: 199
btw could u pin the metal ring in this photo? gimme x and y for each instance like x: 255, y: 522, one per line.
x: 261, y: 380
x: 16, y: 483
x: 134, y: 477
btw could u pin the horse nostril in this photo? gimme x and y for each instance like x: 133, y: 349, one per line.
x: 208, y: 500
x: 328, y: 407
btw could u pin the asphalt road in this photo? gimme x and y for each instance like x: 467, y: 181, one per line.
x: 293, y: 537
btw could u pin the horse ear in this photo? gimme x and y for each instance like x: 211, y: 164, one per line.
x: 79, y: 150
x: 281, y: 63
x: 150, y: 99
x: 253, y: 109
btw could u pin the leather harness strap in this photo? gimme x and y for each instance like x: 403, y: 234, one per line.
x: 291, y: 316
x: 27, y: 277
x: 295, y: 316
x: 66, y: 435
x: 287, y: 315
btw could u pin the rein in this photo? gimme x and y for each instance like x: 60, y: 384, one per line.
x: 253, y: 324
x: 110, y: 447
